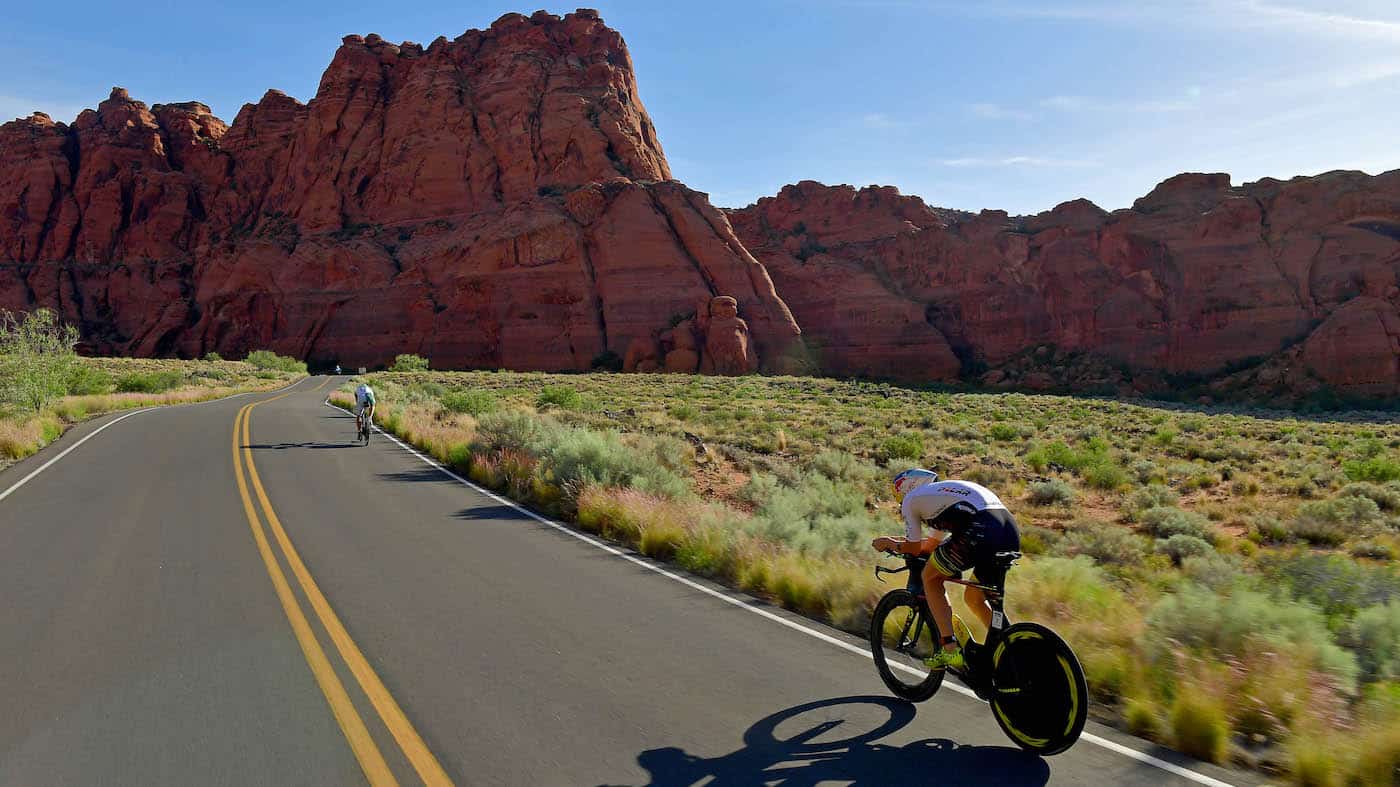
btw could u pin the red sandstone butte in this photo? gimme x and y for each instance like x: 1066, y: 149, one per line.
x: 500, y: 199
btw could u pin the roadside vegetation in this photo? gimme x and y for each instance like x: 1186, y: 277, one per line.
x: 45, y: 386
x: 1229, y: 579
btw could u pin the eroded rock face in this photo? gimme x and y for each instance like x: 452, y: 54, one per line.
x: 1198, y: 277
x: 499, y: 199
x: 728, y: 347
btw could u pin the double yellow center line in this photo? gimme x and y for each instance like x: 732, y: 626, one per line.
x: 361, y: 743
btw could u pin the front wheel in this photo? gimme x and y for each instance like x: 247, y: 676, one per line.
x: 902, y: 635
x: 1040, y: 697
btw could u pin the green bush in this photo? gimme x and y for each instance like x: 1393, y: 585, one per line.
x: 1386, y: 497
x: 1332, y: 522
x: 1334, y: 583
x: 408, y: 362
x: 1378, y: 469
x: 1104, y: 542
x: 150, y: 382
x: 580, y: 456
x: 1238, y: 623
x: 1044, y: 493
x: 213, y: 356
x: 268, y: 360
x: 909, y: 445
x: 1168, y: 521
x: 514, y: 430
x: 85, y: 380
x: 36, y: 358
x: 841, y: 466
x: 564, y: 397
x: 1150, y: 496
x: 1375, y: 636
x: 1181, y: 546
x: 1105, y: 475
x: 815, y: 514
x: 1004, y: 432
x: 474, y: 402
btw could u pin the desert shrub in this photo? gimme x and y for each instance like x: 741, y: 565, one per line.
x: 213, y: 356
x: 150, y: 382
x: 1199, y: 724
x: 1269, y: 528
x: 579, y: 457
x: 1004, y: 432
x: 1234, y: 624
x: 408, y: 362
x: 514, y: 429
x: 1150, y: 496
x: 1376, y: 550
x: 565, y: 397
x: 1337, y: 585
x: 683, y: 411
x: 1378, y: 469
x: 1044, y: 493
x: 87, y: 381
x: 1168, y: 521
x: 267, y: 360
x: 475, y: 402
x: 816, y: 515
x: 1375, y: 636
x: 1105, y: 475
x: 909, y: 445
x: 1333, y: 521
x: 1037, y: 540
x: 1102, y: 541
x: 1182, y: 546
x: 1386, y: 497
x: 841, y: 466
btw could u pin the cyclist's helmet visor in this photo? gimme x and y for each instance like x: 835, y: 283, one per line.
x: 912, y: 479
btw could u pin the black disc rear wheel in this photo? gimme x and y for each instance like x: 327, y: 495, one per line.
x: 1040, y: 698
x: 902, y: 635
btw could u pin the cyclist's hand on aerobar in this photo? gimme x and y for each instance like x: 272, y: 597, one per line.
x: 885, y: 544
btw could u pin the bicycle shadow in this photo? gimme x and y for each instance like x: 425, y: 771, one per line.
x: 804, y: 757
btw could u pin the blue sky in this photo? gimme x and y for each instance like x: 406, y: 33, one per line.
x: 1007, y: 104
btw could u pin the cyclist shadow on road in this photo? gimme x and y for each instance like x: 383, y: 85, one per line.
x: 285, y: 446
x: 814, y: 750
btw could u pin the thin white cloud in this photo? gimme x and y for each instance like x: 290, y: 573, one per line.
x: 14, y: 107
x: 998, y: 112
x: 1087, y: 104
x: 1015, y: 161
x: 883, y: 122
x: 1316, y: 22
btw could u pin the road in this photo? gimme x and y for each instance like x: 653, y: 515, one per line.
x: 184, y: 604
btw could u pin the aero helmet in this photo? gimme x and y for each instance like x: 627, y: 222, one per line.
x: 912, y: 479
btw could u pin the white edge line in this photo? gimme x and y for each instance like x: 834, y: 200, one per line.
x: 1113, y: 746
x: 41, y: 468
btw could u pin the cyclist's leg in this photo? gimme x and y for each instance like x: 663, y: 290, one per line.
x: 994, y: 531
x: 946, y: 562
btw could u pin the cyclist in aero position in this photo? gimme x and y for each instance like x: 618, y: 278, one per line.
x: 975, y: 526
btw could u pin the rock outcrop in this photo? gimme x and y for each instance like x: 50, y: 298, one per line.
x: 500, y: 199
x: 1198, y: 279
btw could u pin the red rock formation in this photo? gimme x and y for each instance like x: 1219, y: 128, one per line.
x: 500, y: 199
x: 1196, y: 278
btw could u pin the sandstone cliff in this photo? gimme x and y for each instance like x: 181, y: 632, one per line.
x: 1198, y: 279
x: 496, y: 200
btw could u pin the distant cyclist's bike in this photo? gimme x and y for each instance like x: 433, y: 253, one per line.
x: 1029, y: 675
x: 362, y: 428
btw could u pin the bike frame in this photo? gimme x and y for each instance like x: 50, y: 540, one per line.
x: 978, y: 673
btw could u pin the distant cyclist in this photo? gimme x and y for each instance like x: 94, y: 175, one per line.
x: 364, y: 402
x: 976, y: 526
x: 337, y: 369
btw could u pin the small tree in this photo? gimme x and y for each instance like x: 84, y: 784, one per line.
x: 36, y: 358
x: 409, y: 363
